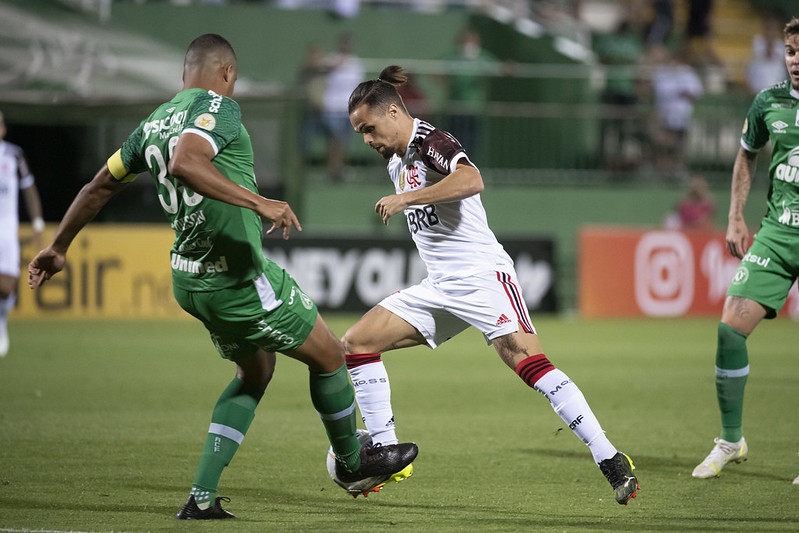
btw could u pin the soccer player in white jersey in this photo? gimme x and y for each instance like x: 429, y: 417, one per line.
x: 15, y: 177
x: 471, y: 279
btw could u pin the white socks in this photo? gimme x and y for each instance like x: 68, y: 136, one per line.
x: 571, y: 406
x: 373, y: 395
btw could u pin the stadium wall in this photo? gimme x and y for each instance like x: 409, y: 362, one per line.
x: 123, y: 271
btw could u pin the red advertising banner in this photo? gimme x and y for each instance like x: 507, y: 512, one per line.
x: 627, y: 272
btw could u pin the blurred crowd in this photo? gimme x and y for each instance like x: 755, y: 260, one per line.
x: 658, y: 56
x: 650, y: 59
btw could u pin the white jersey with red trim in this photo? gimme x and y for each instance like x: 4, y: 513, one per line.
x: 14, y: 176
x: 453, y: 238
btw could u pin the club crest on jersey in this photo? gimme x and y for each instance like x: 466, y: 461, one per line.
x: 205, y: 121
x: 410, y: 176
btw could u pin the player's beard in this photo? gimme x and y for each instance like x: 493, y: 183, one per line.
x: 385, y: 152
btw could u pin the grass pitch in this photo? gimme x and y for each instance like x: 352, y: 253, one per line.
x: 102, y: 424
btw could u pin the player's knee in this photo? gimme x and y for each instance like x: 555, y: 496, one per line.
x: 354, y: 343
x: 328, y: 358
x: 256, y: 373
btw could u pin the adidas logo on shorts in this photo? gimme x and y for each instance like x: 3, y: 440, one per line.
x: 503, y: 319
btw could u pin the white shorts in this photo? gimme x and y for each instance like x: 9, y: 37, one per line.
x: 491, y: 302
x: 9, y: 254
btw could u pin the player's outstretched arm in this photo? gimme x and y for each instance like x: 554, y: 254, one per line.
x: 191, y: 164
x: 737, y: 232
x: 91, y: 198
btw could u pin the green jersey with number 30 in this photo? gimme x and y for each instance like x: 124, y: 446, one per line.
x: 217, y: 245
x: 774, y: 115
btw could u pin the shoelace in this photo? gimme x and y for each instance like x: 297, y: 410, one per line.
x: 613, y: 474
x: 722, y: 450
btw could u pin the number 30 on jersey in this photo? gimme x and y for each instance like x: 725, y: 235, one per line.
x: 168, y: 193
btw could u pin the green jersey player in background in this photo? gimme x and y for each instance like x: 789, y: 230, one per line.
x: 770, y: 266
x: 201, y: 158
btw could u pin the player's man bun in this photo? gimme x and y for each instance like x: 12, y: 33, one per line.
x: 380, y: 93
x: 393, y: 74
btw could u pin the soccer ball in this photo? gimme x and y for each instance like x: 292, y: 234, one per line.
x: 358, y: 487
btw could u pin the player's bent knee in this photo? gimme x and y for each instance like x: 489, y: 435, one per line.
x: 353, y: 343
x: 742, y: 314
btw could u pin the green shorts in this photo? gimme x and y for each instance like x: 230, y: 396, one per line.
x: 271, y: 312
x: 768, y: 270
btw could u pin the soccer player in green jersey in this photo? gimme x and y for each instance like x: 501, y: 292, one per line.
x: 770, y: 266
x: 201, y: 158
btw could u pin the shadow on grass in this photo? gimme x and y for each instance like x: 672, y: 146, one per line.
x: 659, y: 464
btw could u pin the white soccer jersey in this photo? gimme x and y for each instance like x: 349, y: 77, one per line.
x: 14, y: 176
x: 453, y: 238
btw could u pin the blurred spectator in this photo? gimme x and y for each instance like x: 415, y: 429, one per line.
x: 312, y: 81
x: 346, y: 72
x: 621, y: 51
x: 414, y: 98
x: 662, y: 23
x: 768, y: 56
x: 676, y: 87
x: 695, y: 210
x: 467, y: 89
x: 340, y: 8
x: 699, y: 32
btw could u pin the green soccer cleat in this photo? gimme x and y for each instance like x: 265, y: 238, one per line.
x: 190, y: 511
x: 722, y: 453
x: 619, y: 472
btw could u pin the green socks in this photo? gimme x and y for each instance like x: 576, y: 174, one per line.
x: 732, y: 369
x: 334, y: 399
x: 233, y: 413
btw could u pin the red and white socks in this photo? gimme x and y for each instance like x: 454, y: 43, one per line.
x: 568, y: 402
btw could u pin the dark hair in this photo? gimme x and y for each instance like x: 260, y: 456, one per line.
x: 204, y: 45
x: 792, y: 28
x: 380, y: 93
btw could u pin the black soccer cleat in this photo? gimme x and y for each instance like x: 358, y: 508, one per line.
x: 190, y: 511
x: 378, y: 464
x: 619, y: 472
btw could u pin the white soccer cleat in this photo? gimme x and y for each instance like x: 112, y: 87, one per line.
x: 722, y: 453
x: 3, y: 340
x: 796, y: 481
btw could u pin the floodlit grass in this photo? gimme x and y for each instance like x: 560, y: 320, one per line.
x: 102, y: 424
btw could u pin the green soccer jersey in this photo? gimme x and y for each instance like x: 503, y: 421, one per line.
x: 217, y: 245
x: 774, y: 115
